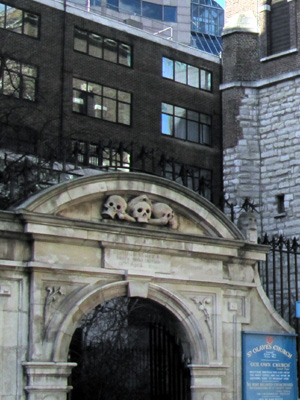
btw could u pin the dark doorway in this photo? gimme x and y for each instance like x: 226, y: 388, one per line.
x: 129, y: 349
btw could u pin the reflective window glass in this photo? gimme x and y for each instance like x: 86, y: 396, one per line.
x: 167, y: 124
x: 180, y: 128
x: 2, y: 15
x: 79, y: 84
x: 11, y: 83
x: 205, y: 80
x: 124, y: 113
x: 110, y: 50
x: 124, y: 96
x: 167, y: 68
x: 193, y: 76
x: 125, y: 54
x: 94, y: 88
x: 167, y: 108
x: 109, y: 110
x: 95, y: 45
x: 113, y: 4
x: 180, y: 112
x: 95, y: 3
x: 170, y: 14
x: 193, y: 131
x: 109, y: 92
x: 151, y: 10
x: 14, y: 19
x: 130, y: 6
x: 31, y: 24
x: 180, y: 72
x: 80, y: 40
x: 79, y: 100
x: 28, y: 88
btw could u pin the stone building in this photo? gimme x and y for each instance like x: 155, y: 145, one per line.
x: 260, y: 97
x: 80, y: 244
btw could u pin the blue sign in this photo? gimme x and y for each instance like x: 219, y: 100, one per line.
x: 297, y: 309
x: 269, y: 366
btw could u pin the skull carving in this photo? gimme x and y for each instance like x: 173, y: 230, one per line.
x: 141, y: 211
x: 163, y: 215
x: 114, y: 206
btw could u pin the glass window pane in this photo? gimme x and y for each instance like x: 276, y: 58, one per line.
x: 124, y: 113
x: 79, y: 84
x: 167, y: 124
x: 94, y: 107
x: 11, y: 84
x: 79, y: 100
x: 28, y: 88
x: 13, y: 65
x: 180, y: 128
x: 31, y: 24
x: 109, y: 110
x: 14, y: 19
x: 125, y: 54
x: 167, y: 68
x: 193, y: 131
x: 170, y: 14
x: 167, y: 108
x: 151, y: 10
x: 95, y: 45
x: 193, y: 76
x: 2, y: 15
x: 113, y: 4
x: 94, y: 88
x: 110, y: 50
x: 95, y: 3
x: 109, y: 92
x: 130, y: 6
x: 206, y: 134
x: 180, y: 112
x: 80, y: 40
x: 205, y: 119
x: 205, y: 80
x: 124, y: 96
x: 29, y: 70
x: 180, y: 72
x: 193, y: 115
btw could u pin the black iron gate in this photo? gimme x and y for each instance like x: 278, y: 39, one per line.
x: 157, y: 371
x: 280, y: 275
x: 170, y: 375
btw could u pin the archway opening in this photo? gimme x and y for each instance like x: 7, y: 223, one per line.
x: 130, y: 349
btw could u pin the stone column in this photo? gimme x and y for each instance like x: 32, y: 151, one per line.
x: 47, y: 380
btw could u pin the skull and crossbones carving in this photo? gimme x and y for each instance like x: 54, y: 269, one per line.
x: 140, y: 209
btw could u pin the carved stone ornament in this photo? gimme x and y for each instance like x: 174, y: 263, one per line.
x: 140, y: 209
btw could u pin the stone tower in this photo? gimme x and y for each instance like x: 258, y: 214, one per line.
x: 260, y: 111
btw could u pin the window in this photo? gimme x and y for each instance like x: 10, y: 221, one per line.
x: 144, y: 9
x: 280, y: 204
x: 101, y: 47
x: 101, y: 102
x: 95, y: 155
x: 18, y: 79
x: 19, y: 21
x: 279, y: 26
x: 186, y: 74
x: 185, y: 124
x: 195, y: 178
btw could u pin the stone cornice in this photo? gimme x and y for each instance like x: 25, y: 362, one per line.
x: 258, y: 84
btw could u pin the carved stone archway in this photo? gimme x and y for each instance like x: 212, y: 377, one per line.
x: 68, y: 254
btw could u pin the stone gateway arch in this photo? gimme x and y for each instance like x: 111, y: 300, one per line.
x: 86, y: 242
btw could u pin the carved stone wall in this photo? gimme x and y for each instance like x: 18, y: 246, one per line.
x: 60, y: 258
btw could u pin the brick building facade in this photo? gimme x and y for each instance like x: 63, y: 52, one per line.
x: 102, y: 93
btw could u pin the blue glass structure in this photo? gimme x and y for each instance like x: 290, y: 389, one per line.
x: 207, y: 21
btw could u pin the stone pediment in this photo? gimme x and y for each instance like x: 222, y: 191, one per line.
x: 134, y: 200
